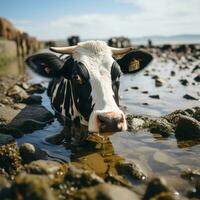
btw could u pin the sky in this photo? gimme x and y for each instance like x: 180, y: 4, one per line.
x: 101, y: 19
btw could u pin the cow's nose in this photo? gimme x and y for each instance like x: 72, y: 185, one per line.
x: 110, y: 121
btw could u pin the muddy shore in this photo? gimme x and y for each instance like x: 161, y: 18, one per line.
x: 97, y: 168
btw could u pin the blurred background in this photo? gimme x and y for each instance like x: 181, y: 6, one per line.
x: 162, y: 21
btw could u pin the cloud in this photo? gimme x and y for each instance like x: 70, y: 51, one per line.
x: 155, y: 17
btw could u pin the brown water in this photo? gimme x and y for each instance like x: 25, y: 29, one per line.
x: 157, y: 156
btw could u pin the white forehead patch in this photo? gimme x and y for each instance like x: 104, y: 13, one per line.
x: 95, y: 55
x: 97, y: 58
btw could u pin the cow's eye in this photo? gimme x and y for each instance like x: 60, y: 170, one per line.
x: 77, y: 79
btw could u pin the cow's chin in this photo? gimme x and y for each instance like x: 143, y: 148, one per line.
x: 95, y: 127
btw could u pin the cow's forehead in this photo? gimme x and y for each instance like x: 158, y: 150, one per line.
x: 95, y: 55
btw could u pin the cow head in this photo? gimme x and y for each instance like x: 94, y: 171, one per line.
x: 94, y: 75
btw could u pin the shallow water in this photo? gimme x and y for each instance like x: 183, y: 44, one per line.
x: 156, y: 155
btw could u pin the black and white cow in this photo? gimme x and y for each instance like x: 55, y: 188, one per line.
x: 85, y: 85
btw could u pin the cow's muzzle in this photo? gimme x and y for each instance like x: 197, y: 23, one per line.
x: 110, y: 122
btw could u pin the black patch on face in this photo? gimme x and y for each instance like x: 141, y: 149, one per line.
x: 115, y: 75
x: 82, y: 91
x: 68, y: 66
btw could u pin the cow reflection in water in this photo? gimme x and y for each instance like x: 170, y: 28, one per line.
x: 84, y: 89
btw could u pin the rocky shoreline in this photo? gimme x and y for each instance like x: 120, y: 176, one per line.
x: 26, y: 172
x: 95, y: 171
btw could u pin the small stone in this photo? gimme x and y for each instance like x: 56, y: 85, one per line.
x: 159, y: 82
x: 187, y: 128
x: 29, y: 153
x: 156, y: 96
x: 173, y: 73
x: 195, y: 68
x: 137, y: 124
x: 6, y: 139
x: 43, y: 167
x: 28, y: 186
x: 161, y: 126
x: 189, y: 97
x: 145, y: 92
x: 33, y: 99
x: 184, y: 82
x: 131, y: 169
x: 135, y: 88
x: 36, y: 88
x: 158, y: 189
x: 17, y: 93
x: 155, y: 77
x: 197, y: 78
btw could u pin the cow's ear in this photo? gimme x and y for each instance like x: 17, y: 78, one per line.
x: 134, y: 61
x: 45, y: 64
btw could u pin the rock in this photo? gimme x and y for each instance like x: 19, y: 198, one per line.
x: 155, y: 77
x: 135, y: 88
x: 197, y: 78
x: 7, y: 114
x: 173, y: 73
x: 191, y: 174
x: 36, y: 88
x: 81, y: 178
x: 156, y: 96
x: 195, y: 68
x: 159, y: 82
x: 161, y: 126
x: 184, y: 82
x: 187, y: 128
x: 10, y: 160
x: 145, y: 92
x: 158, y: 189
x: 131, y: 169
x: 33, y: 187
x: 33, y: 99
x: 44, y: 167
x: 107, y: 192
x: 17, y: 93
x: 6, y: 139
x: 137, y: 124
x: 29, y: 153
x: 31, y: 118
x: 189, y: 97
